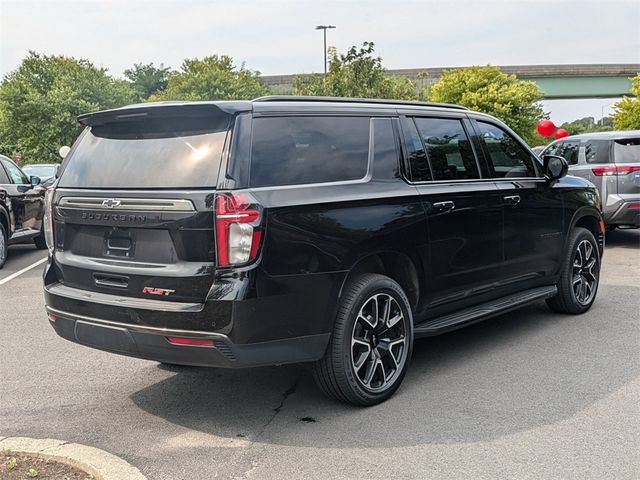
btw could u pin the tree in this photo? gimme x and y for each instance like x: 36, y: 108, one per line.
x: 212, y: 78
x: 358, y: 73
x: 627, y: 110
x: 39, y: 103
x: 148, y: 79
x: 489, y: 90
x: 587, y: 125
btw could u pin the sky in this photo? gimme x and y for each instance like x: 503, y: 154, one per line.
x: 278, y: 37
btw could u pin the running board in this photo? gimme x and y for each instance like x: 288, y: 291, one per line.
x: 482, y: 312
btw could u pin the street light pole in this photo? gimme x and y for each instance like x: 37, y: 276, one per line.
x: 324, y: 31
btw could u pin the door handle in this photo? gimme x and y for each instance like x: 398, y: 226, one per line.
x: 441, y: 207
x: 512, y: 199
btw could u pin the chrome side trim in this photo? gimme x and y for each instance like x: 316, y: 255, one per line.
x: 123, y: 204
x: 118, y: 301
x: 139, y: 328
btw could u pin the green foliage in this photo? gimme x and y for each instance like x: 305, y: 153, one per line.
x: 358, y: 73
x: 6, y: 452
x: 33, y: 473
x: 39, y: 103
x: 212, y: 78
x: 11, y: 463
x: 588, y: 125
x: 627, y: 110
x: 489, y: 90
x: 148, y: 79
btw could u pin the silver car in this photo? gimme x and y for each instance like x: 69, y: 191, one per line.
x: 611, y: 161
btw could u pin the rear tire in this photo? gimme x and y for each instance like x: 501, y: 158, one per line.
x: 3, y: 245
x: 580, y: 277
x: 370, y: 348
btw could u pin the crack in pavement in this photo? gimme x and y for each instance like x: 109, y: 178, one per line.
x: 287, y: 393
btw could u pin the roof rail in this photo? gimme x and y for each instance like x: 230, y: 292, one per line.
x: 382, y: 101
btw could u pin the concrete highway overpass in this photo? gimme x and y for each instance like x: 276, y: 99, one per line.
x: 555, y: 81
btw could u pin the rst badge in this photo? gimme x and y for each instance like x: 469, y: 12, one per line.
x: 157, y: 291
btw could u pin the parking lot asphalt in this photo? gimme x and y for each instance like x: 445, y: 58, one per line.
x: 530, y: 394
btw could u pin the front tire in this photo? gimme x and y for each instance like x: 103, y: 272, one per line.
x: 371, y: 345
x: 580, y: 277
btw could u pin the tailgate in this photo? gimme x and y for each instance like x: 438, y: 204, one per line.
x: 136, y: 246
x: 133, y: 210
x: 627, y: 159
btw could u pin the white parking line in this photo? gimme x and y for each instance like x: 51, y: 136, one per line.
x: 20, y: 272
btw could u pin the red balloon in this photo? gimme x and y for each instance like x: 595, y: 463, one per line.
x: 546, y: 128
x: 561, y: 133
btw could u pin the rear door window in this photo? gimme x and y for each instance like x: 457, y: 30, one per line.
x: 448, y: 148
x: 310, y: 149
x: 173, y: 152
x: 598, y: 151
x: 506, y: 157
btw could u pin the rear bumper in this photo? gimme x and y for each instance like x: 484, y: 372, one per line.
x: 624, y: 215
x: 151, y: 343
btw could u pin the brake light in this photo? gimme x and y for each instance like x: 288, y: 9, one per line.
x: 615, y: 171
x: 238, y: 233
x: 197, y: 342
x: 48, y: 219
x: 634, y: 206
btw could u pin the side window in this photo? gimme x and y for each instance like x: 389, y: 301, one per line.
x: 419, y: 170
x: 569, y: 150
x: 15, y: 173
x: 4, y: 179
x: 299, y: 150
x: 506, y: 157
x: 598, y: 151
x: 448, y: 148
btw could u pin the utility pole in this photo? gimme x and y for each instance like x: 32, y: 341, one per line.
x: 324, y: 29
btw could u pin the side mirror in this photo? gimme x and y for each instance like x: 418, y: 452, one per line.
x: 555, y: 167
x: 57, y: 170
x: 35, y: 181
x: 64, y: 151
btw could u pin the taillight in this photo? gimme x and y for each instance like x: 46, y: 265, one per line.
x: 48, y: 219
x: 634, y: 206
x: 611, y: 171
x: 238, y: 233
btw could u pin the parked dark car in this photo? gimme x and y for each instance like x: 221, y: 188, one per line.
x: 323, y: 230
x: 21, y: 208
x: 611, y: 161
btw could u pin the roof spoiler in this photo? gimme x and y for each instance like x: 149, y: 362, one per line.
x: 163, y: 109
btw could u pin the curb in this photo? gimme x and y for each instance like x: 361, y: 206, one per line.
x: 102, y: 465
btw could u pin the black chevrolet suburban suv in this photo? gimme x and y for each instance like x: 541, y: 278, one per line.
x: 324, y: 230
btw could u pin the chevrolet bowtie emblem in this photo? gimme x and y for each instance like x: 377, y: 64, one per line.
x: 111, y: 203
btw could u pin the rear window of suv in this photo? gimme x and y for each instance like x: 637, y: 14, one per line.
x: 310, y: 149
x: 174, y: 152
x: 627, y: 150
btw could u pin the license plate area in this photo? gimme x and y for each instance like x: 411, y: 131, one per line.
x: 119, y: 243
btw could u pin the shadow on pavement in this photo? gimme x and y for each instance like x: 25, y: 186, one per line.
x: 626, y: 238
x: 513, y: 373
